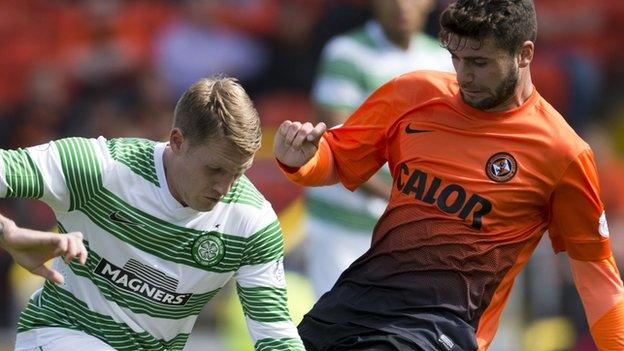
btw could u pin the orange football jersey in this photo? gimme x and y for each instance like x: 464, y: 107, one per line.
x: 473, y: 192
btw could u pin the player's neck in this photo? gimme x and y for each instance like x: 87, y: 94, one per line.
x: 168, y: 168
x: 523, y: 92
x: 400, y: 40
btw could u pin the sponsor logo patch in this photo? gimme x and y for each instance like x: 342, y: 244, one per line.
x: 116, y: 216
x: 279, y: 272
x: 448, y: 197
x: 147, y: 284
x: 409, y: 130
x: 208, y: 250
x: 501, y: 167
x: 446, y: 342
x: 603, y: 227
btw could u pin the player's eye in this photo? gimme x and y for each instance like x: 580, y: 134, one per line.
x: 480, y: 62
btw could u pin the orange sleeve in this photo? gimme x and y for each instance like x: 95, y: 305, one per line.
x: 602, y: 293
x: 318, y: 171
x: 359, y: 146
x: 578, y: 223
x: 354, y: 151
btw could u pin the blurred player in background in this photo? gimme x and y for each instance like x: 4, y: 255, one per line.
x: 164, y: 226
x: 482, y: 167
x: 353, y: 65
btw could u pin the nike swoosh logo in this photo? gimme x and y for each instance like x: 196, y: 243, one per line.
x: 409, y: 130
x: 116, y: 217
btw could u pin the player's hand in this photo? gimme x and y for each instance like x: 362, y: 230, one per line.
x: 295, y: 142
x: 31, y: 249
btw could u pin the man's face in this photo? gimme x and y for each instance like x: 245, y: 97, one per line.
x: 402, y: 17
x: 206, y: 172
x: 487, y: 75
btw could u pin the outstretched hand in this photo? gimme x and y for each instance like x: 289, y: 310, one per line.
x: 31, y: 249
x: 296, y: 143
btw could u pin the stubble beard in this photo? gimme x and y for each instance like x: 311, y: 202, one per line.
x: 502, y: 93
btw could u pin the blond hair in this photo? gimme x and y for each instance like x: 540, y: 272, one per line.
x: 218, y: 107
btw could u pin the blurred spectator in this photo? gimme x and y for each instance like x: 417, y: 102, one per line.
x: 579, y: 44
x: 154, y: 106
x: 256, y: 17
x: 25, y: 28
x: 44, y: 112
x: 292, y: 60
x: 195, y: 45
x: 352, y: 66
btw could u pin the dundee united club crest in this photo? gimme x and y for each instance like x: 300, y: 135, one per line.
x: 501, y: 167
x: 208, y: 250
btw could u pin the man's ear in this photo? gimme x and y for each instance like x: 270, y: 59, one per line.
x: 176, y: 140
x: 526, y: 54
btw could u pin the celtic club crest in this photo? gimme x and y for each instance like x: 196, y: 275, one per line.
x: 208, y: 250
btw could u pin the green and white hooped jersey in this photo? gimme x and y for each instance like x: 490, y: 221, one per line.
x: 352, y: 66
x: 153, y: 264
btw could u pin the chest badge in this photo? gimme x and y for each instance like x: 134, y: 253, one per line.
x: 208, y: 250
x: 501, y: 167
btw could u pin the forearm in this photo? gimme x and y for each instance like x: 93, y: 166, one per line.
x: 6, y: 225
x: 262, y: 292
x: 1, y: 235
x: 600, y: 288
x: 318, y: 171
x: 608, y: 331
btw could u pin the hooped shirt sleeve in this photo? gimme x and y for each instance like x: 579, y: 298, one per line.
x: 35, y: 173
x: 261, y: 287
x: 359, y: 146
x: 578, y: 222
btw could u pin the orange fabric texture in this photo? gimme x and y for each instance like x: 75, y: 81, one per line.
x: 608, y: 331
x: 599, y: 286
x: 489, y: 320
x: 495, y: 182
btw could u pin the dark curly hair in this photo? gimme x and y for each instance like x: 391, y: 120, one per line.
x: 509, y: 22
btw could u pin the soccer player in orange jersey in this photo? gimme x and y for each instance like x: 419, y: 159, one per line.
x: 482, y: 167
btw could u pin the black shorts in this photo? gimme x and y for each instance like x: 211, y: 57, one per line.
x: 358, y: 339
x: 318, y: 335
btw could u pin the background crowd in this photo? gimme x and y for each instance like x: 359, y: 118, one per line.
x: 116, y: 68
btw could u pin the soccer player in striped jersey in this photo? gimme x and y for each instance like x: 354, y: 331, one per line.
x: 352, y: 66
x: 482, y: 167
x: 165, y: 226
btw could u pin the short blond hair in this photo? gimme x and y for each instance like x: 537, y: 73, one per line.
x: 218, y: 107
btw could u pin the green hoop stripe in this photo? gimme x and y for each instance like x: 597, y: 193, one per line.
x: 23, y: 178
x: 137, y: 154
x: 56, y: 307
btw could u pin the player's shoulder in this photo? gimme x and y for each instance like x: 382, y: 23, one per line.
x: 80, y: 152
x: 128, y: 145
x: 135, y: 154
x: 429, y: 44
x: 245, y: 205
x: 353, y: 43
x: 565, y: 141
x: 438, y: 80
x: 425, y: 85
x: 245, y: 195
